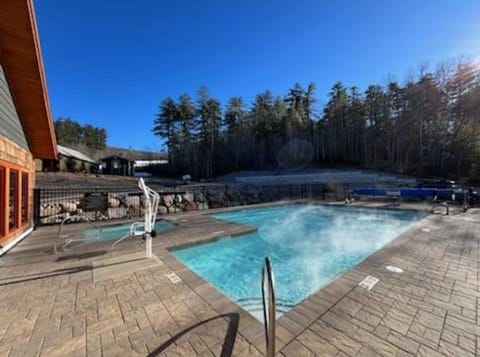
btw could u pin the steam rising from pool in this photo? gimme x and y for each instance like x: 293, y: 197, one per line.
x: 308, y: 245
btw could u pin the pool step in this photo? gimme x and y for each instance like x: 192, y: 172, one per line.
x: 259, y: 308
x: 255, y: 304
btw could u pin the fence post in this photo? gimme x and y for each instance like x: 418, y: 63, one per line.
x: 36, y: 206
x: 174, y: 199
x: 96, y: 212
x: 226, y: 197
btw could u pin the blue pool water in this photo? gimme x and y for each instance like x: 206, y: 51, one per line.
x: 308, y: 246
x: 119, y: 230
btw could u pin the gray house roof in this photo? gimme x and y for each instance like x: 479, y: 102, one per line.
x: 74, y: 154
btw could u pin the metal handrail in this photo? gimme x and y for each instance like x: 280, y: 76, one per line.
x: 269, y: 311
x: 68, y: 241
x: 441, y: 205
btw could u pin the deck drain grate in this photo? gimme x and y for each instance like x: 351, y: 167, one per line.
x: 394, y: 269
x: 174, y: 278
x: 369, y: 282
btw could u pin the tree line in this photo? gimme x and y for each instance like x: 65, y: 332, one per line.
x: 71, y: 132
x: 429, y: 126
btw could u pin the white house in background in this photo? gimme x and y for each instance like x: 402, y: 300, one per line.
x: 147, y: 163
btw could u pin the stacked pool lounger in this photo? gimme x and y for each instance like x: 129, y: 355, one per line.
x: 445, y: 193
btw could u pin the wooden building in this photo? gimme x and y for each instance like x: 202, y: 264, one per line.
x: 68, y: 160
x: 117, y: 165
x: 121, y: 161
x: 26, y: 127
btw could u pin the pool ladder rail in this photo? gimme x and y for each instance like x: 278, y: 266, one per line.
x: 75, y: 218
x: 269, y: 307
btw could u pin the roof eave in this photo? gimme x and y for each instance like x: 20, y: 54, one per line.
x: 23, y: 66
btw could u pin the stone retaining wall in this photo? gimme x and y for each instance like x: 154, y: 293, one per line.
x: 130, y: 204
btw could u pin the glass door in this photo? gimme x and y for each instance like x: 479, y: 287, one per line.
x: 25, y: 192
x: 13, y: 201
x: 2, y: 201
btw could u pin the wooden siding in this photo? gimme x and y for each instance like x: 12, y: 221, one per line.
x: 10, y: 125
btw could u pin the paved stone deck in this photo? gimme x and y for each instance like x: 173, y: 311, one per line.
x: 50, y: 305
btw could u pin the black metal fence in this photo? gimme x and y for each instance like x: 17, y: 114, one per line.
x: 52, y: 205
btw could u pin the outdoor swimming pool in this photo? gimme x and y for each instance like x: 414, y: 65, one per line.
x: 308, y: 245
x: 117, y: 231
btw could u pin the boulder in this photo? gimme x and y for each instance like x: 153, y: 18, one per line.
x: 162, y: 210
x: 96, y: 216
x: 57, y: 218
x: 198, y: 196
x: 202, y: 206
x: 50, y: 210
x: 133, y: 201
x: 216, y: 198
x: 117, y: 212
x: 215, y: 204
x: 113, y: 202
x: 69, y: 206
x: 188, y: 197
x: 190, y: 206
x: 168, y: 200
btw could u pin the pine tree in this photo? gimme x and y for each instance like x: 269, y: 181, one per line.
x: 165, y: 126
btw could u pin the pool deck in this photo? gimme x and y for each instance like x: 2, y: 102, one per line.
x: 92, y: 301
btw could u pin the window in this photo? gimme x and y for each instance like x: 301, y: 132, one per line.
x: 24, y: 197
x: 13, y: 201
x: 2, y: 201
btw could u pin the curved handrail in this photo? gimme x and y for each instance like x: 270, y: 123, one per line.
x: 66, y: 219
x: 441, y: 205
x: 268, y: 312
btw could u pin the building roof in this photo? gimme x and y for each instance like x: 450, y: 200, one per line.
x: 22, y: 62
x: 145, y: 163
x: 114, y: 157
x: 130, y: 154
x: 74, y: 154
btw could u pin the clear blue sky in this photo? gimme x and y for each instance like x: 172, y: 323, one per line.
x: 111, y: 62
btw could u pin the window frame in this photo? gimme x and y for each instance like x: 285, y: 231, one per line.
x: 3, y: 202
x: 16, y: 206
x: 24, y: 197
x: 6, y: 232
